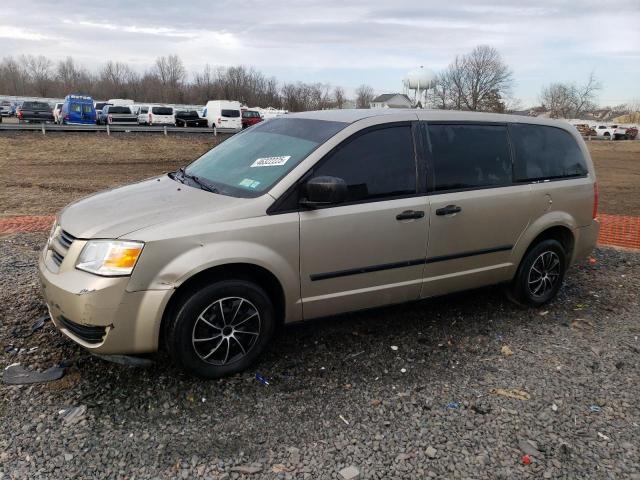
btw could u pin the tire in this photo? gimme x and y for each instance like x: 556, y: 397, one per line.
x: 203, y: 341
x: 540, y: 274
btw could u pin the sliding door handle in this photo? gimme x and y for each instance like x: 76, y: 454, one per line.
x: 410, y: 214
x: 448, y: 210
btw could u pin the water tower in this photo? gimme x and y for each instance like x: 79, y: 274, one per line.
x: 419, y: 81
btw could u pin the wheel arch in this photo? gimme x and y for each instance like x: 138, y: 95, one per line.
x: 559, y: 231
x: 242, y: 271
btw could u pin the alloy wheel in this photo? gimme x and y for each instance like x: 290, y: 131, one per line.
x: 544, y: 274
x: 226, y: 331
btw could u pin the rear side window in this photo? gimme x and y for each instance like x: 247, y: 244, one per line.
x: 377, y: 164
x: 469, y: 156
x: 231, y: 113
x: 545, y: 152
x: 87, y: 108
x: 162, y: 111
x: 144, y: 109
x: 76, y: 108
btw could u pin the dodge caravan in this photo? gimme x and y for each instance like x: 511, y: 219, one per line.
x: 315, y: 214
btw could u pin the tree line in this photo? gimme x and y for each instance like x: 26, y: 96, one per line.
x: 479, y: 80
x: 167, y: 81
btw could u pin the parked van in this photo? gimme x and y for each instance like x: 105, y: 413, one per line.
x: 156, y: 115
x: 316, y: 214
x: 78, y: 110
x: 223, y: 114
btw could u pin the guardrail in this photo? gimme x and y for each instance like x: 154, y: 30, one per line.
x: 108, y: 129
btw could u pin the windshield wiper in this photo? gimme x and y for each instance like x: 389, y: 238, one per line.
x: 203, y: 184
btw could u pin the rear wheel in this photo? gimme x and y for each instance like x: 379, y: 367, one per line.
x: 221, y: 329
x: 540, y: 274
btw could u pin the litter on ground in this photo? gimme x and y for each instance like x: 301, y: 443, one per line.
x: 511, y: 393
x: 16, y: 374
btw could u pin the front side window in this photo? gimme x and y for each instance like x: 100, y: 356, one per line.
x: 469, y: 156
x: 377, y: 164
x: 251, y: 162
x: 544, y: 152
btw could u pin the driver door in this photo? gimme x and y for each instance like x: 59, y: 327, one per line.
x: 370, y: 249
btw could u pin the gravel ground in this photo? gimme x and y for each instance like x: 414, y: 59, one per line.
x: 340, y: 395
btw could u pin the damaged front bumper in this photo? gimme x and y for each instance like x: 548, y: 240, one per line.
x: 99, y: 313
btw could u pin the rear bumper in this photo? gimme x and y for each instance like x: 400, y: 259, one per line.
x: 100, y: 314
x: 586, y: 239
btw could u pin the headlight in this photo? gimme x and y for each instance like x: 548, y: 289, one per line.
x: 52, y: 232
x: 109, y: 257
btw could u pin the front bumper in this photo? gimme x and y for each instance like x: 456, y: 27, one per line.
x: 99, y: 313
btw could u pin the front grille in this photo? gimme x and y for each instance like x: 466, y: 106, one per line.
x: 90, y: 334
x: 57, y: 258
x: 64, y: 240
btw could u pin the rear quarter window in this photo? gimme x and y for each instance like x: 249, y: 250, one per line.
x: 544, y: 152
x: 469, y: 156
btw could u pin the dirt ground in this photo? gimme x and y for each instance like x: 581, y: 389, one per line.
x: 41, y: 174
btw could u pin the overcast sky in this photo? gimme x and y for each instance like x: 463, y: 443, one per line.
x: 342, y: 42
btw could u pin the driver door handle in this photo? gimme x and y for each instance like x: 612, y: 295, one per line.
x: 410, y: 214
x: 448, y: 210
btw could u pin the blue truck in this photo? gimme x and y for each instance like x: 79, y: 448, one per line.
x: 78, y: 110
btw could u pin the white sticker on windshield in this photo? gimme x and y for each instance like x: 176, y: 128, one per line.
x: 271, y: 161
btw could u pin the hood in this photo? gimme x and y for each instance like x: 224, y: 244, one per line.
x: 117, y: 212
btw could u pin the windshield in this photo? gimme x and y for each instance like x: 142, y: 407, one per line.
x: 251, y: 162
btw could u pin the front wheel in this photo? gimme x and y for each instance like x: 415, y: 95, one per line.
x: 540, y: 274
x: 221, y: 329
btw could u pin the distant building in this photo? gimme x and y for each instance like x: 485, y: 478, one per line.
x: 391, y: 100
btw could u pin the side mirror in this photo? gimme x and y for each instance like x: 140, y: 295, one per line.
x: 324, y: 191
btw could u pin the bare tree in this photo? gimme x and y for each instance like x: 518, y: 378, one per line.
x: 566, y: 100
x: 14, y: 77
x: 171, y: 73
x: 364, y: 96
x: 479, y: 80
x: 585, y: 95
x: 339, y: 97
x: 40, y: 72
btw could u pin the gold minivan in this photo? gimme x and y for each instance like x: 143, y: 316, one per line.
x: 315, y: 214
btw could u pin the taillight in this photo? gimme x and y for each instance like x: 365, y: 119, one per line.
x: 66, y: 117
x: 150, y: 118
x: 109, y: 119
x: 219, y: 120
x: 19, y: 113
x: 595, y: 200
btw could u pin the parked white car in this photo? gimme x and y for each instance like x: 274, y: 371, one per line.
x: 611, y: 132
x: 156, y: 115
x: 57, y: 110
x: 225, y: 114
